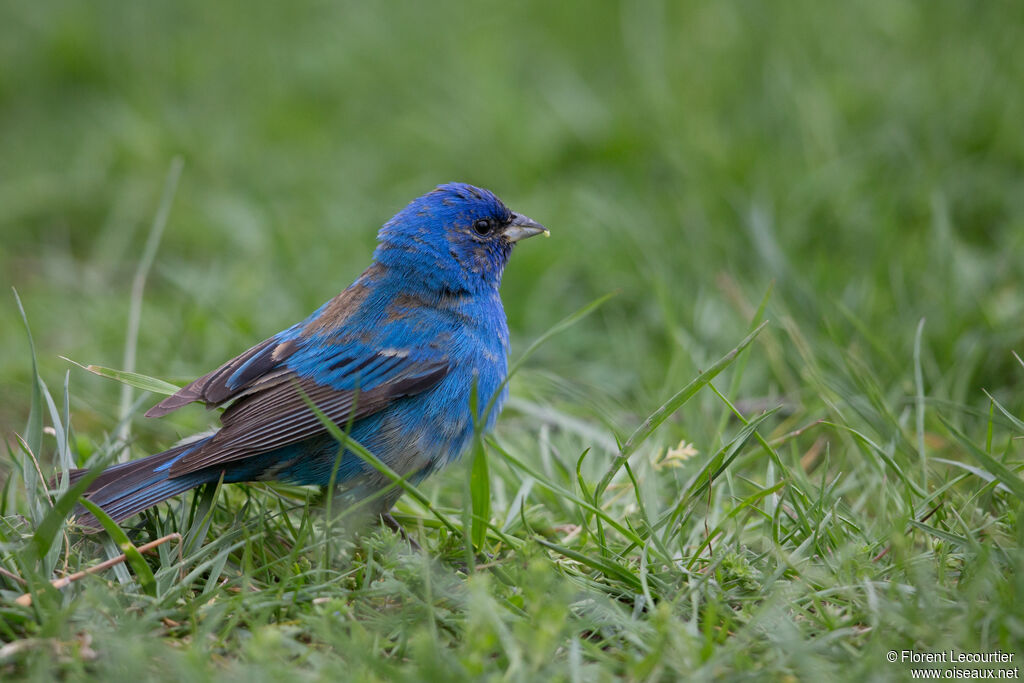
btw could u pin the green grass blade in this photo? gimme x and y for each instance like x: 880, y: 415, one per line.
x: 544, y: 482
x: 737, y: 376
x: 1000, y: 471
x: 714, y: 468
x: 362, y: 452
x: 34, y: 428
x: 143, y: 573
x: 606, y: 567
x: 135, y: 379
x: 203, y: 515
x: 131, y: 341
x: 743, y: 505
x: 1017, y: 423
x: 939, y: 533
x: 672, y: 405
x: 919, y: 400
x: 480, y: 491
x: 478, y: 484
x: 982, y: 474
x: 53, y: 522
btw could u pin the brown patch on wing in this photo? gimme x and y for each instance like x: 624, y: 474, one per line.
x: 405, y: 305
x: 338, y: 311
x: 343, y: 306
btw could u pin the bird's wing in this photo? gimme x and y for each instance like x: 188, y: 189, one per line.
x: 346, y: 382
x: 348, y: 370
x: 257, y: 368
x: 267, y: 364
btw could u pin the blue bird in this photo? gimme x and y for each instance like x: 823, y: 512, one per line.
x: 395, y: 354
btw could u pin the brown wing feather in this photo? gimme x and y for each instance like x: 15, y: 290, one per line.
x: 277, y: 415
x: 212, y: 388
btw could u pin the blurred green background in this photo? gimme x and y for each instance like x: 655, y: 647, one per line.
x: 857, y: 165
x: 865, y: 157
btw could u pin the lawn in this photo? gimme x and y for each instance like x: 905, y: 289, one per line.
x: 673, y: 491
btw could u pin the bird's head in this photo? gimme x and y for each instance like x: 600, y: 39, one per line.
x: 456, y: 238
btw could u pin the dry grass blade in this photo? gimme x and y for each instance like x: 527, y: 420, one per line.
x: 25, y: 600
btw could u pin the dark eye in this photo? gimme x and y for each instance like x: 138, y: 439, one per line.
x: 482, y: 226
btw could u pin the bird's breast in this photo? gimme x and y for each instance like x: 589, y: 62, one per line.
x: 431, y: 429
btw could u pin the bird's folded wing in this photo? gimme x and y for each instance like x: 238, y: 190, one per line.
x: 278, y: 415
x: 270, y: 382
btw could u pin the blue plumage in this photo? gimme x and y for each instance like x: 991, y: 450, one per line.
x: 396, y: 353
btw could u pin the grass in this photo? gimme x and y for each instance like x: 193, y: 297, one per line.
x: 847, y: 485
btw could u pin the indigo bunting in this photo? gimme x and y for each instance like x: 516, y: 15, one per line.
x: 395, y: 355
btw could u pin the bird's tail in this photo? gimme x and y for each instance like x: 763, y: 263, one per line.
x: 129, y: 488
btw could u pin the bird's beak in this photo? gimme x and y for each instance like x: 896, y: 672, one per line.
x: 522, y: 227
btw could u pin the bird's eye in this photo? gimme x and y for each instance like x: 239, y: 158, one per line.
x: 482, y: 226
